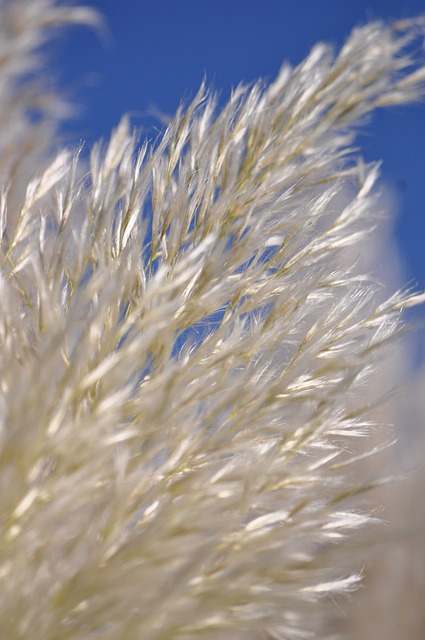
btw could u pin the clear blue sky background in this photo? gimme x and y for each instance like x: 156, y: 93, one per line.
x: 158, y: 52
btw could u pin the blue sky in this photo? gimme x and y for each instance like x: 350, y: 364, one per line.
x: 157, y: 52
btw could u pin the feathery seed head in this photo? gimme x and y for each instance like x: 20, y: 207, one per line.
x: 185, y: 352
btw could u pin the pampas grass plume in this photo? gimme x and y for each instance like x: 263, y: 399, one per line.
x: 187, y: 343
